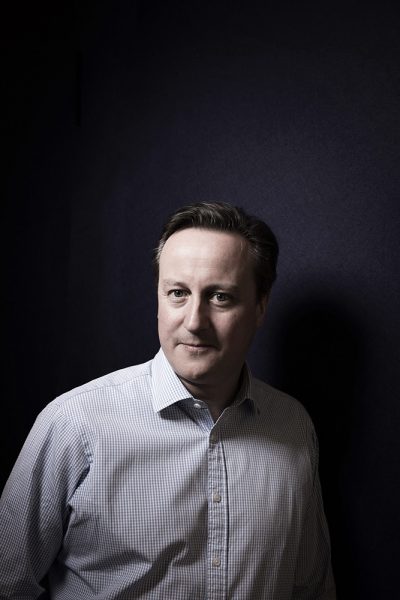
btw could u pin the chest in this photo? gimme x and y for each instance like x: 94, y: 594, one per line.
x: 161, y: 486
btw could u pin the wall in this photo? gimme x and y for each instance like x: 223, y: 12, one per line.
x: 116, y: 114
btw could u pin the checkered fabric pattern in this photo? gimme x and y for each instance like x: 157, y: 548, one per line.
x: 127, y: 489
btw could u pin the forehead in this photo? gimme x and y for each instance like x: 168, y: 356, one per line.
x: 205, y: 242
x: 197, y: 251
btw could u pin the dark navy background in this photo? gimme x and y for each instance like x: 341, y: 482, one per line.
x: 117, y: 113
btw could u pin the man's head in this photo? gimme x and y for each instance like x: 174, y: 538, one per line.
x: 215, y: 269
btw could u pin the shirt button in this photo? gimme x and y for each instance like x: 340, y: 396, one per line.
x: 216, y: 561
x: 216, y: 497
x: 197, y: 405
x: 213, y: 438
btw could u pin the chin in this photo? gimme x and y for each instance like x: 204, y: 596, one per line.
x: 194, y: 376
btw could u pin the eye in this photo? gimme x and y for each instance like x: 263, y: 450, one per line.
x: 177, y: 295
x: 221, y: 297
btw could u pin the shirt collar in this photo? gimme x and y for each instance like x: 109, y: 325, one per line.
x: 245, y: 389
x: 168, y: 389
x: 166, y: 386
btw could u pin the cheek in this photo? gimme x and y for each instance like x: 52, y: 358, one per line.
x: 241, y: 326
x: 231, y: 327
x: 167, y: 318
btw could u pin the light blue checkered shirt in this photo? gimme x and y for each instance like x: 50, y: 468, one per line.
x: 127, y: 489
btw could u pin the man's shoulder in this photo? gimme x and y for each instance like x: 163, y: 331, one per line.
x: 277, y: 405
x: 105, y: 406
x: 111, y: 383
x: 262, y: 389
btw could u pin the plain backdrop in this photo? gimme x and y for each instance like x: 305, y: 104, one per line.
x: 116, y: 113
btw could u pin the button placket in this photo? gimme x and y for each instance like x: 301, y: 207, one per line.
x: 217, y: 522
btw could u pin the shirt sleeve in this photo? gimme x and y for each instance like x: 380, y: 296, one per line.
x: 314, y: 579
x: 33, y: 506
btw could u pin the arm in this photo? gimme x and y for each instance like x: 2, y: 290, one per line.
x: 33, y: 506
x: 313, y: 578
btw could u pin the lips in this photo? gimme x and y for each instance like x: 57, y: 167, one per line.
x: 196, y: 345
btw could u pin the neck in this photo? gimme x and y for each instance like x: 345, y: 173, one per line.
x: 216, y: 397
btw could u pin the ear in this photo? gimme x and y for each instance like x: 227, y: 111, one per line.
x: 261, y: 309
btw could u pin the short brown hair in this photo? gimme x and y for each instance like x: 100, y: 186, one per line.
x: 221, y: 216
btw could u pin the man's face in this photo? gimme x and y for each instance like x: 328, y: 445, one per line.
x: 208, y: 309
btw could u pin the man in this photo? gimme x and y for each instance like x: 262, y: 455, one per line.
x: 183, y: 478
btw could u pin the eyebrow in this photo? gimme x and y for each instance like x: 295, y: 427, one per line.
x: 172, y: 283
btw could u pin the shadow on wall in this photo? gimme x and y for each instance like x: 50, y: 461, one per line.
x: 318, y: 357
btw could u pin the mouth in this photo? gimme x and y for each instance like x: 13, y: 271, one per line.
x: 196, y: 347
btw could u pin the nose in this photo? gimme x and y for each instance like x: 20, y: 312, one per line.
x: 196, y: 316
